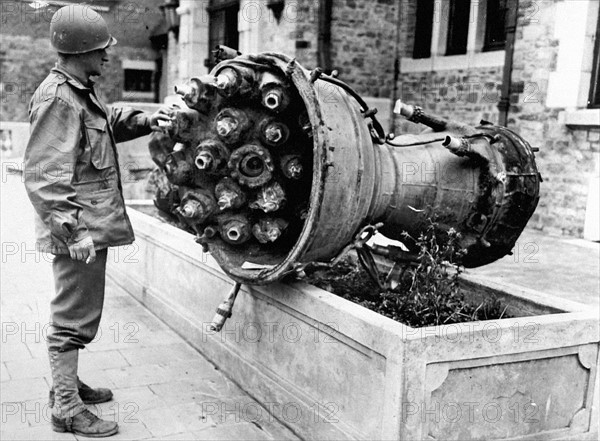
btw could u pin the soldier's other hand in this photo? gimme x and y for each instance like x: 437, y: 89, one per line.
x: 161, y: 118
x: 83, y: 250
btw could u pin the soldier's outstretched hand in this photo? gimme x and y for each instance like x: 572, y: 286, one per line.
x: 161, y: 118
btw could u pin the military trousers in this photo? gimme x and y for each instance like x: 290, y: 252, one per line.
x: 76, y: 309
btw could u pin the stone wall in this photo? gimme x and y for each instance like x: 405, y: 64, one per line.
x: 467, y: 96
x: 306, y: 35
x: 363, y: 39
x: 24, y: 62
x: 363, y: 44
x: 566, y: 156
x: 408, y: 21
x: 26, y: 55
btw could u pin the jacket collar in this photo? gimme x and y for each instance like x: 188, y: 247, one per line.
x: 65, y: 77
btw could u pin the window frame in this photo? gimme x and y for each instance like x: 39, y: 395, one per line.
x: 475, y: 56
x: 141, y: 65
x: 232, y: 7
x: 454, y: 45
x: 489, y: 45
x: 594, y: 96
x: 424, y: 17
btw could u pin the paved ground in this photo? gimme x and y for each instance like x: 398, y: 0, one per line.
x: 559, y: 266
x: 163, y: 388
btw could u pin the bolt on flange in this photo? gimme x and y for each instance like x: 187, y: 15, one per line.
x: 235, y: 228
x: 274, y: 133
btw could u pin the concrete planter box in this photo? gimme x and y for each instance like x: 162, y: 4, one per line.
x: 330, y: 369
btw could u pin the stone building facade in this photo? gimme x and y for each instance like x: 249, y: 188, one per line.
x: 445, y: 55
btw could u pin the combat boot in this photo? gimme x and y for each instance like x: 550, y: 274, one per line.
x: 87, y: 394
x: 69, y: 414
x: 85, y: 424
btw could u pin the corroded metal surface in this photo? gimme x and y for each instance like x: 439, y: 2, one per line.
x: 273, y: 166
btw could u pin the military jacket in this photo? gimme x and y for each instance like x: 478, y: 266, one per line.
x: 71, y: 168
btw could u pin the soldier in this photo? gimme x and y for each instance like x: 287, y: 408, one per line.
x: 78, y: 201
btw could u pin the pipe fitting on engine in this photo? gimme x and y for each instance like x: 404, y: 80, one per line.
x: 273, y: 133
x: 231, y: 125
x: 235, y: 81
x: 235, y: 229
x: 211, y: 156
x: 275, y: 96
x: 222, y: 52
x: 305, y: 124
x: 291, y: 166
x: 269, y: 229
x: 178, y: 169
x: 466, y: 147
x: 160, y: 146
x: 229, y: 194
x: 190, y: 209
x: 199, y: 93
x: 270, y: 198
x: 196, y: 206
x: 458, y: 146
x: 185, y: 125
x: 251, y: 165
x: 417, y: 115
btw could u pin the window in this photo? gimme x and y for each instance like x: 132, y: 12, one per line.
x: 223, y: 27
x: 458, y: 27
x: 423, y: 28
x: 457, y: 34
x: 495, y: 23
x: 138, y: 80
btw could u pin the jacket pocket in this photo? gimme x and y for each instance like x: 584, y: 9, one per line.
x: 105, y: 218
x: 102, y: 155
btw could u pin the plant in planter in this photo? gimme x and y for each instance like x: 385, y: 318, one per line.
x: 428, y: 292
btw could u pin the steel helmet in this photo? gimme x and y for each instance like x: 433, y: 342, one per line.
x: 76, y: 29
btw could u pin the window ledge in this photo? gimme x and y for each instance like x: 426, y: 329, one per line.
x: 582, y: 117
x: 132, y: 95
x: 439, y: 62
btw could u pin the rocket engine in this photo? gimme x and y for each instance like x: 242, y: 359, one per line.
x: 273, y: 166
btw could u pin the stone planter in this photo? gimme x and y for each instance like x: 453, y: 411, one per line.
x: 330, y: 369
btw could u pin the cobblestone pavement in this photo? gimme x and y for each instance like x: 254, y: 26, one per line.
x: 163, y: 388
